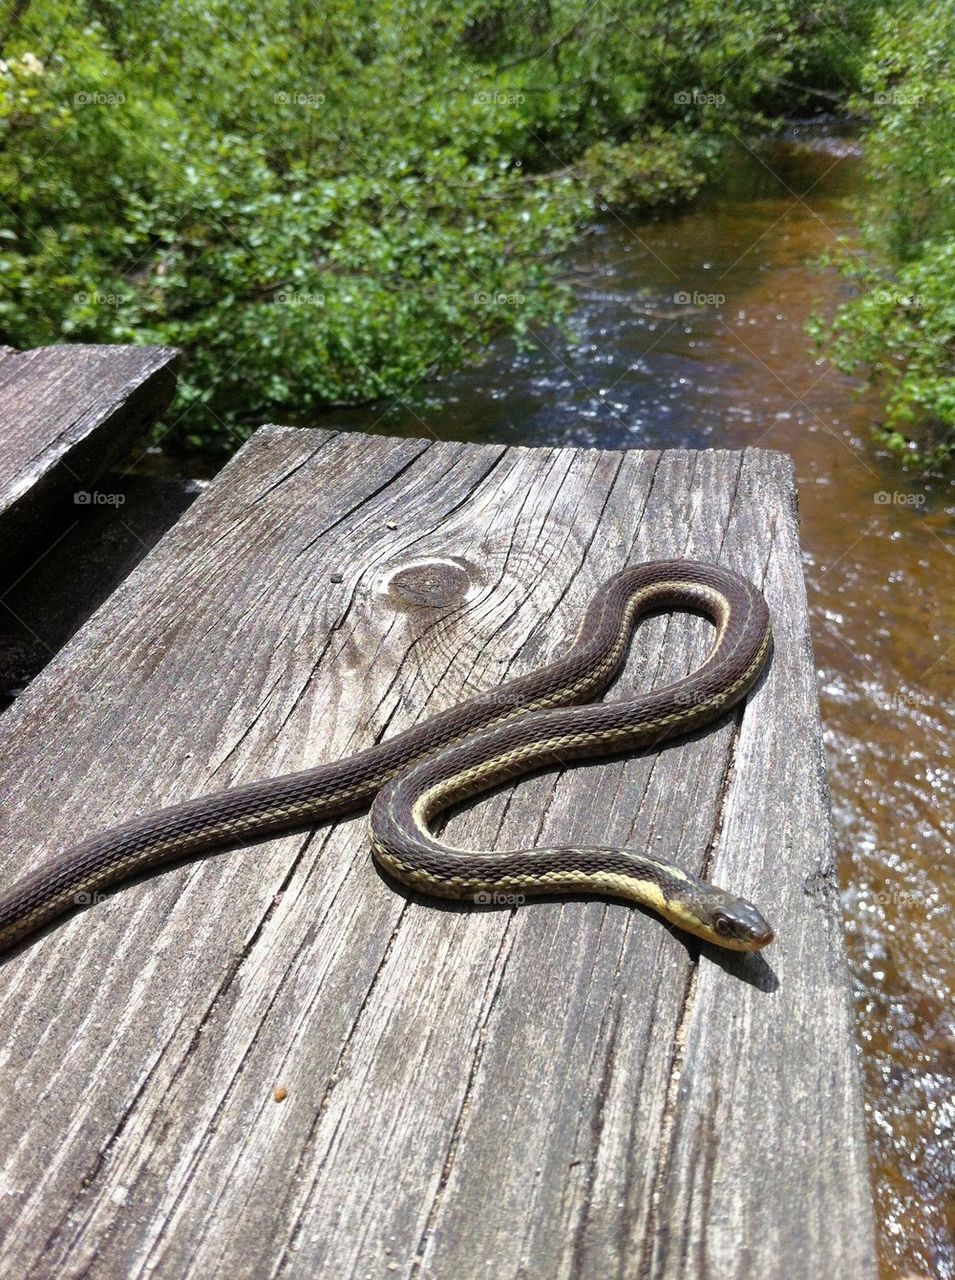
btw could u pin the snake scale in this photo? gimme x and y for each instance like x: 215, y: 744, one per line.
x: 412, y: 778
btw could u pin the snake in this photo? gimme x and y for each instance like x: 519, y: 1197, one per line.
x: 545, y: 718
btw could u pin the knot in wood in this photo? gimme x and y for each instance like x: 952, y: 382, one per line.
x: 430, y: 584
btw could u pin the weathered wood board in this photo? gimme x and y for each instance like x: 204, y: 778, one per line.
x: 65, y: 412
x: 565, y: 1090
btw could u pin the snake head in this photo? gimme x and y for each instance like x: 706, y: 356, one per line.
x: 737, y: 924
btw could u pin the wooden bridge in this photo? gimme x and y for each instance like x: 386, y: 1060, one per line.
x: 271, y: 1063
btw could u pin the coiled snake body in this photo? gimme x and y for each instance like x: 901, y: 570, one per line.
x: 524, y: 724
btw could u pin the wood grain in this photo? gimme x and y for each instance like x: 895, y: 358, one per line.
x: 565, y: 1090
x: 65, y: 412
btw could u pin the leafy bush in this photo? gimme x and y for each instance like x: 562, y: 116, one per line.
x: 900, y: 330
x: 327, y: 205
x: 662, y: 168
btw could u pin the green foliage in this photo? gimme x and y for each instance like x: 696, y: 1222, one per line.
x: 900, y: 330
x: 328, y: 204
x: 664, y: 167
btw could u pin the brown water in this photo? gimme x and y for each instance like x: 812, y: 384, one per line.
x: 689, y: 332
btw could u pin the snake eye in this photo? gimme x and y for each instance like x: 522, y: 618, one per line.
x: 722, y: 925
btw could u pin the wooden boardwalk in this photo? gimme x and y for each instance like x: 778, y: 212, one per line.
x: 565, y: 1090
x: 65, y: 413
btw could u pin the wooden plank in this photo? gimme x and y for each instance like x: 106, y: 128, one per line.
x: 65, y: 412
x: 565, y: 1090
